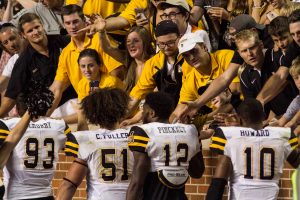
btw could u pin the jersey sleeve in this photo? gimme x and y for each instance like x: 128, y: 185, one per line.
x: 4, y: 132
x: 138, y: 139
x: 218, y: 142
x: 293, y: 141
x: 71, y: 146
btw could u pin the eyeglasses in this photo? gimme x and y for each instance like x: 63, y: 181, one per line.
x: 171, y: 16
x: 171, y: 43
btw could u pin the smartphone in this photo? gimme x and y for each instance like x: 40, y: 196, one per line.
x: 140, y: 13
x: 271, y: 15
x: 207, y: 7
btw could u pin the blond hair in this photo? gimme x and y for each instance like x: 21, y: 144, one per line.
x: 288, y: 8
x: 295, y: 68
x: 247, y: 35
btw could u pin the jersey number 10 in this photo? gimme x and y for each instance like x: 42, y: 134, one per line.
x: 263, y: 153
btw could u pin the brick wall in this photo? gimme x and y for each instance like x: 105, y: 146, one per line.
x: 195, y: 188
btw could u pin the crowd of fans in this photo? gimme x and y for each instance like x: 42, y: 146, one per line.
x: 207, y: 55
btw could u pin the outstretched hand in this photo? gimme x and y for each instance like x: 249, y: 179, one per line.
x: 98, y: 25
x: 190, y: 110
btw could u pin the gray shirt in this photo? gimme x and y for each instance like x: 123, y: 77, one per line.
x: 52, y: 21
x: 293, y: 108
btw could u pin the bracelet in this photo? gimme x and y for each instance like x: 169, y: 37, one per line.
x: 102, y: 31
x: 257, y: 7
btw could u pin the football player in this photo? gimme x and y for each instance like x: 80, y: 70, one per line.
x: 31, y: 165
x: 103, y: 154
x: 253, y: 156
x: 164, y: 154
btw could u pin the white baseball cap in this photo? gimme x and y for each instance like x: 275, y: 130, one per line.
x: 188, y: 41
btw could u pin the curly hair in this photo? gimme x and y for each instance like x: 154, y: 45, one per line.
x: 105, y: 107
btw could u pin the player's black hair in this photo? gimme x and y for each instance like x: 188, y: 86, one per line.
x: 278, y: 26
x: 71, y: 9
x: 89, y: 53
x: 251, y: 111
x: 105, y: 107
x: 38, y: 99
x: 162, y: 104
x: 294, y: 16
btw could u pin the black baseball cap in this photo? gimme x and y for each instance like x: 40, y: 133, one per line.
x: 243, y: 22
x: 166, y: 27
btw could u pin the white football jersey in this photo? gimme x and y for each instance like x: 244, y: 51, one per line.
x: 170, y: 147
x: 29, y: 171
x: 109, y: 162
x: 257, y: 158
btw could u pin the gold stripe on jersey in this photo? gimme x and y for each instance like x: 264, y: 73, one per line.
x: 4, y: 131
x: 217, y: 139
x: 72, y: 144
x: 66, y: 132
x: 3, y: 137
x: 136, y: 137
x: 72, y: 151
x: 216, y: 146
x: 137, y: 144
x: 294, y: 143
x: 293, y: 140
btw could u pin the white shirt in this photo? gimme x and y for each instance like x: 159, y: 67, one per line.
x: 10, y: 65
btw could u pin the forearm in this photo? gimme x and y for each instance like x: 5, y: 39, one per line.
x: 116, y: 23
x: 119, y: 1
x: 27, y: 4
x: 112, y: 51
x: 271, y: 89
x: 82, y: 124
x: 66, y: 191
x: 3, y: 83
x: 132, y: 106
x: 214, y: 89
x: 177, y: 112
x: 8, y: 13
x: 134, y: 190
x: 196, y: 14
x: 6, y: 105
x: 256, y: 10
x: 71, y: 119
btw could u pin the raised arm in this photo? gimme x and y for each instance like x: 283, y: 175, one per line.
x: 12, y: 139
x: 6, y: 105
x: 105, y: 43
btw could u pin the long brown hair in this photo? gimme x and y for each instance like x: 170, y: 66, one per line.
x: 130, y: 63
x: 241, y: 7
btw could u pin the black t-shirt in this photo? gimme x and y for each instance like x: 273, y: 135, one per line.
x: 252, y: 82
x: 32, y: 66
x: 292, y: 52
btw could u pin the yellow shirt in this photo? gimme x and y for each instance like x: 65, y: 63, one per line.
x: 194, y: 80
x: 146, y: 82
x: 103, y: 7
x: 105, y: 81
x: 68, y: 69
